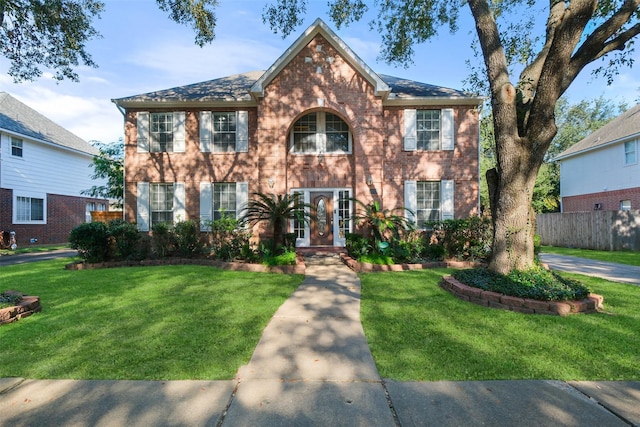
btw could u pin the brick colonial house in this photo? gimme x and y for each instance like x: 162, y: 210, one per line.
x: 319, y: 122
x: 43, y: 169
x: 602, y: 171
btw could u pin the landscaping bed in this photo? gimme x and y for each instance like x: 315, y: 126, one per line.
x: 24, y: 306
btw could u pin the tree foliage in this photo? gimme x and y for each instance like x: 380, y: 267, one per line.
x: 40, y: 35
x: 109, y: 165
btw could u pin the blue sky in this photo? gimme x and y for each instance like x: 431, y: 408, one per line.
x: 142, y: 50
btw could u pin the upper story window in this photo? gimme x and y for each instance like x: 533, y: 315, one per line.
x: 224, y: 132
x: 29, y: 209
x: 428, y: 130
x: 625, y: 205
x: 16, y: 147
x: 630, y: 153
x: 320, y: 132
x: 162, y: 132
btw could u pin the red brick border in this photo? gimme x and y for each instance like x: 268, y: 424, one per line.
x: 364, y: 267
x: 591, y: 304
x: 26, y: 307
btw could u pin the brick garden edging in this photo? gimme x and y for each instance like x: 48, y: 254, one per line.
x: 299, y: 268
x: 26, y: 307
x: 591, y: 304
x: 364, y: 267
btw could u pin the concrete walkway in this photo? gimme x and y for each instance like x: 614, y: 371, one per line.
x: 313, y: 367
x: 606, y: 270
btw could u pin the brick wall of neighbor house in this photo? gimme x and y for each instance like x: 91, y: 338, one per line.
x: 63, y: 214
x: 609, y: 200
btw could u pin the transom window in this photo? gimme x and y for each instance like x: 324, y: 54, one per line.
x: 224, y: 132
x: 16, y: 147
x: 428, y: 129
x: 161, y: 132
x: 630, y: 153
x: 427, y: 202
x: 29, y: 209
x: 224, y: 200
x: 161, y: 203
x: 320, y: 132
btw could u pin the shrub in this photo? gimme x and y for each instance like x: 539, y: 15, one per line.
x: 536, y: 283
x: 9, y: 299
x: 163, y: 239
x: 357, y: 245
x: 93, y: 241
x: 468, y: 238
x: 229, y: 240
x: 187, y: 238
x: 126, y: 237
x: 287, y: 258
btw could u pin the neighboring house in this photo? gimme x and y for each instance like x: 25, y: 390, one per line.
x: 319, y: 122
x: 43, y: 169
x: 602, y: 171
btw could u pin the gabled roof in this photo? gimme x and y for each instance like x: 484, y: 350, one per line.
x: 320, y: 28
x: 245, y: 89
x: 21, y: 120
x: 623, y: 128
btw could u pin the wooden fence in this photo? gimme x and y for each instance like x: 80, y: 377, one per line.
x: 601, y: 230
x: 105, y: 216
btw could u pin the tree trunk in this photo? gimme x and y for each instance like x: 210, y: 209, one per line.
x: 510, y: 195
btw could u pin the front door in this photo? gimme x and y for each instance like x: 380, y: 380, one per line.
x: 322, y: 227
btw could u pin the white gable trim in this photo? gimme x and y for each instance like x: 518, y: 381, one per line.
x: 319, y: 27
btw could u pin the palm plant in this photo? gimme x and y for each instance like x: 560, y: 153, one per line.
x: 277, y: 210
x: 383, y: 224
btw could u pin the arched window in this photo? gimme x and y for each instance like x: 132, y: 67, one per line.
x: 320, y: 132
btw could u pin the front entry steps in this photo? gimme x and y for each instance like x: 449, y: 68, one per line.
x: 321, y: 256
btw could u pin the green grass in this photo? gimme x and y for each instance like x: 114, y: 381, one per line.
x: 417, y: 331
x: 152, y: 323
x: 621, y: 257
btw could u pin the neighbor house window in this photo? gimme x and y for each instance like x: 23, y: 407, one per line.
x: 161, y: 203
x: 630, y: 153
x: 428, y: 129
x: 625, y: 205
x: 224, y: 200
x: 16, y: 147
x: 90, y: 207
x: 161, y: 132
x: 29, y: 209
x: 320, y: 132
x: 428, y: 202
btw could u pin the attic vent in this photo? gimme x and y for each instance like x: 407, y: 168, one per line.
x: 597, y: 207
x: 319, y: 48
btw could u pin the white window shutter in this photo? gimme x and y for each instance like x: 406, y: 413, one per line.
x: 410, y: 130
x: 447, y: 128
x: 206, y: 205
x: 205, y: 131
x: 143, y: 206
x: 242, y: 131
x: 179, y: 118
x: 143, y: 131
x: 411, y: 199
x: 242, y: 198
x: 179, y: 200
x: 446, y: 204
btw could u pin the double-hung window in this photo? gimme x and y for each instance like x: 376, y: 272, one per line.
x: 224, y: 132
x: 429, y: 201
x: 161, y: 203
x: 16, y: 147
x: 631, y: 152
x: 29, y: 209
x: 320, y: 132
x: 224, y: 200
x: 428, y: 130
x: 161, y: 132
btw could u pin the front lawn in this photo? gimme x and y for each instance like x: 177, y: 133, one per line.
x: 621, y: 257
x: 418, y: 331
x: 151, y: 323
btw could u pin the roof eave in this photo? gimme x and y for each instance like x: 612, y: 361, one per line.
x: 216, y: 103
x: 597, y: 147
x: 434, y: 100
x: 48, y: 143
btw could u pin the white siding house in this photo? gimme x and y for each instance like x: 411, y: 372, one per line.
x: 43, y: 169
x: 602, y: 172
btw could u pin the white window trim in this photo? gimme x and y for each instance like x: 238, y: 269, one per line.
x: 143, y: 124
x: 447, y: 130
x: 447, y: 199
x: 143, y: 204
x: 321, y: 134
x: 337, y: 241
x: 30, y: 196
x: 11, y: 138
x: 206, y: 131
x: 206, y: 201
x: 635, y: 150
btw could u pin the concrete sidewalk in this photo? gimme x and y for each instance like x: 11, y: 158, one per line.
x: 606, y: 270
x: 313, y: 367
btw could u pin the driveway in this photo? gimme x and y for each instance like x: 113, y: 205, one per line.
x: 606, y: 270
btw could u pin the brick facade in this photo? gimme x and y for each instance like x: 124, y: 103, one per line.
x: 376, y: 167
x: 63, y: 214
x: 608, y: 200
